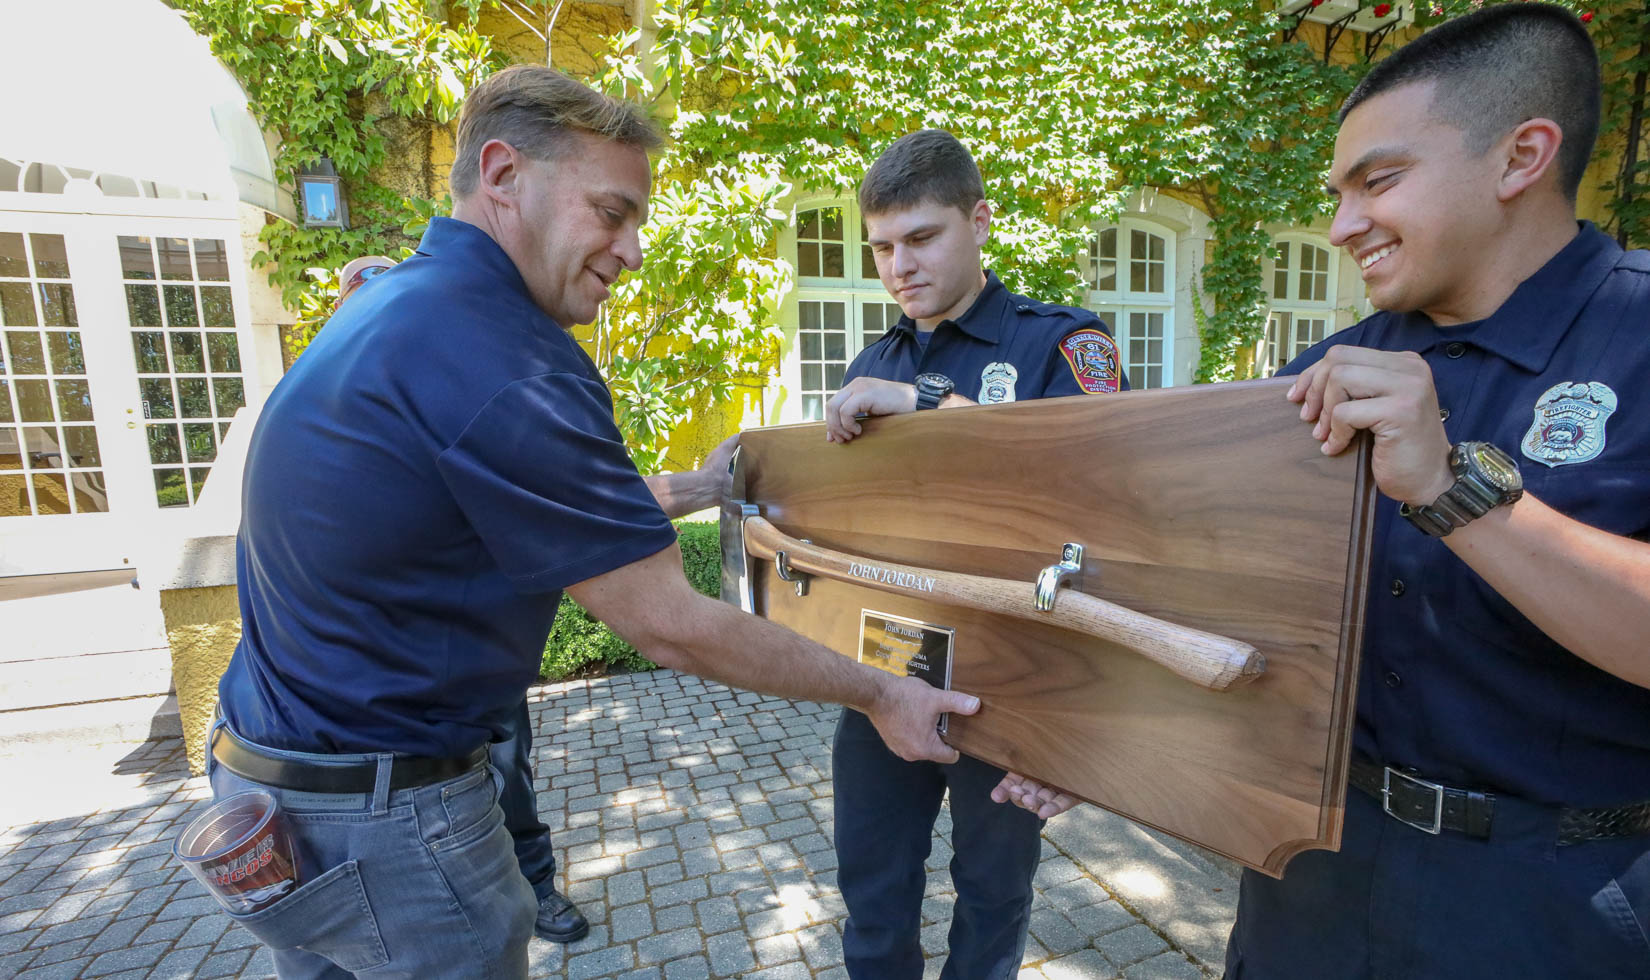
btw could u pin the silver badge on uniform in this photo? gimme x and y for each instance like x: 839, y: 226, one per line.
x: 997, y: 383
x: 1569, y: 423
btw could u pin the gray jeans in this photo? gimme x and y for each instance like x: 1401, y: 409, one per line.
x: 412, y: 883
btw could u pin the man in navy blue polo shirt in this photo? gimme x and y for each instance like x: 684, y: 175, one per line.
x: 434, y: 471
x: 963, y: 339
x: 1503, y: 718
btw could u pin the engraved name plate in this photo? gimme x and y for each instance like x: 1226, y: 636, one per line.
x: 907, y: 647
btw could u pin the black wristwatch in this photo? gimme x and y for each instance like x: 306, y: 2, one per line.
x: 932, y: 389
x: 1485, y: 478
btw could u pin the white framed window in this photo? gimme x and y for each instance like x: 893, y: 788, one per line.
x: 1129, y: 268
x: 1300, y: 281
x: 841, y: 307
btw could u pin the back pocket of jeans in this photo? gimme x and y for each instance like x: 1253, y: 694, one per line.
x: 329, y: 916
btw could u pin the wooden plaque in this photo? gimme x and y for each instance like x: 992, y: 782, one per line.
x: 1209, y: 507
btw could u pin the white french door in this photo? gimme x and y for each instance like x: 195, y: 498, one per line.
x: 124, y: 350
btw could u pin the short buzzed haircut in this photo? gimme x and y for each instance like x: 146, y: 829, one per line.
x: 927, y: 166
x: 538, y: 110
x: 1500, y: 67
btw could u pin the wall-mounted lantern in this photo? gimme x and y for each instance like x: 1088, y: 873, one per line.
x: 321, y: 201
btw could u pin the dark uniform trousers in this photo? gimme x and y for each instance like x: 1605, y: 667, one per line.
x: 512, y: 757
x: 1398, y: 903
x: 884, y: 825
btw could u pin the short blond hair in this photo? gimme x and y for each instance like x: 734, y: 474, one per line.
x: 536, y: 110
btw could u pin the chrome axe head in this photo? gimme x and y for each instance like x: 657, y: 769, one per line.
x: 737, y: 586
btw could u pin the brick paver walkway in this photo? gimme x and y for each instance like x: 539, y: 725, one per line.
x: 694, y: 826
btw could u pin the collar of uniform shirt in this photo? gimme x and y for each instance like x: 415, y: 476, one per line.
x: 1533, y: 321
x: 983, y: 321
x: 450, y: 238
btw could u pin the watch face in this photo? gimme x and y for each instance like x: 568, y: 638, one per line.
x: 1496, y: 466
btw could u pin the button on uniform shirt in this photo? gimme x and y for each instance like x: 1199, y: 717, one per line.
x: 1456, y: 682
x: 1005, y: 348
x: 421, y: 485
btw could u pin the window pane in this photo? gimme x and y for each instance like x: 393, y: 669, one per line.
x: 833, y: 375
x: 174, y: 258
x: 225, y: 351
x: 163, y: 444
x: 11, y: 454
x: 831, y: 261
x: 198, y: 443
x: 813, y: 407
x: 212, y: 260
x: 810, y: 316
x: 14, y: 496
x: 5, y: 402
x: 34, y: 400
x: 230, y: 395
x: 1156, y: 247
x: 51, y: 494
x: 26, y: 354
x: 1137, y: 275
x: 193, y: 399
x: 809, y: 225
x: 217, y: 306
x: 157, y: 398
x: 51, y: 259
x: 67, y: 357
x: 197, y: 479
x: 836, y: 347
x: 187, y: 355
x: 813, y: 377
x: 40, y: 445
x: 180, y: 307
x: 807, y: 259
x: 1154, y: 377
x: 149, y: 352
x: 13, y: 260
x: 1108, y: 243
x: 89, y: 493
x: 143, y: 305
x: 136, y: 262
x: 810, y: 346
x: 169, y: 491
x: 17, y: 305
x: 1154, y: 351
x: 830, y: 224
x: 74, y: 400
x: 834, y: 314
x: 80, y: 445
x: 1155, y: 278
x: 1280, y: 272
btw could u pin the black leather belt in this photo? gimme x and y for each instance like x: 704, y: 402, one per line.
x: 1432, y: 807
x: 407, y: 772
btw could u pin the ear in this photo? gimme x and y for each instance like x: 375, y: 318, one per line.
x: 1532, y: 156
x: 981, y: 220
x: 500, y: 169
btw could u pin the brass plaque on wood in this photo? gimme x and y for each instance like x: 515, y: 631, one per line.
x: 1196, y: 668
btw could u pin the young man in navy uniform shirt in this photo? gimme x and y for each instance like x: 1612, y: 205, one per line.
x: 1499, y: 821
x: 434, y: 471
x: 964, y: 339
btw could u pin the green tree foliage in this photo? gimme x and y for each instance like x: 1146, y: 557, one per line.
x: 580, y: 645
x: 1067, y: 106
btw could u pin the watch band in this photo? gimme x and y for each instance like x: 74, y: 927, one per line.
x: 932, y: 389
x: 1473, y: 494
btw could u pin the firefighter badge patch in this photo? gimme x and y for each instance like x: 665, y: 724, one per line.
x: 1092, y: 357
x: 1569, y: 423
x: 997, y: 383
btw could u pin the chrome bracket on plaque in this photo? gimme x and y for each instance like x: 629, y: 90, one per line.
x: 782, y: 565
x: 1069, y: 571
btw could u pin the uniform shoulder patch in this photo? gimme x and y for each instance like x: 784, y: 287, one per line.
x: 1092, y: 356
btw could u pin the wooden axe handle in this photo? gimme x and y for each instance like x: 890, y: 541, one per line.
x: 1216, y: 662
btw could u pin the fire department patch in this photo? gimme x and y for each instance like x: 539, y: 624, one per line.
x: 1092, y: 357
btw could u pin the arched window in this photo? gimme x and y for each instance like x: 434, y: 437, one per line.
x: 1300, y: 279
x: 1130, y: 272
x: 841, y: 306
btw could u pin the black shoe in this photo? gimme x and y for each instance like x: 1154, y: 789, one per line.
x: 560, y: 921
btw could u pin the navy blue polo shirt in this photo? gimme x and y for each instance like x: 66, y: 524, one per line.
x: 1456, y: 682
x: 421, y: 485
x: 1005, y: 348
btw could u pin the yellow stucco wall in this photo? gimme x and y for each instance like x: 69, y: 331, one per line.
x: 202, y: 626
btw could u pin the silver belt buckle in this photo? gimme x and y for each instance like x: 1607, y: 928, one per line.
x: 1437, y: 800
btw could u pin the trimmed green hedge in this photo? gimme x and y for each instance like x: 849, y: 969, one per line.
x: 580, y: 646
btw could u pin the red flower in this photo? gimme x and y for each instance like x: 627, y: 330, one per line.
x: 1317, y: 3
x: 1382, y: 9
x: 1587, y: 18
